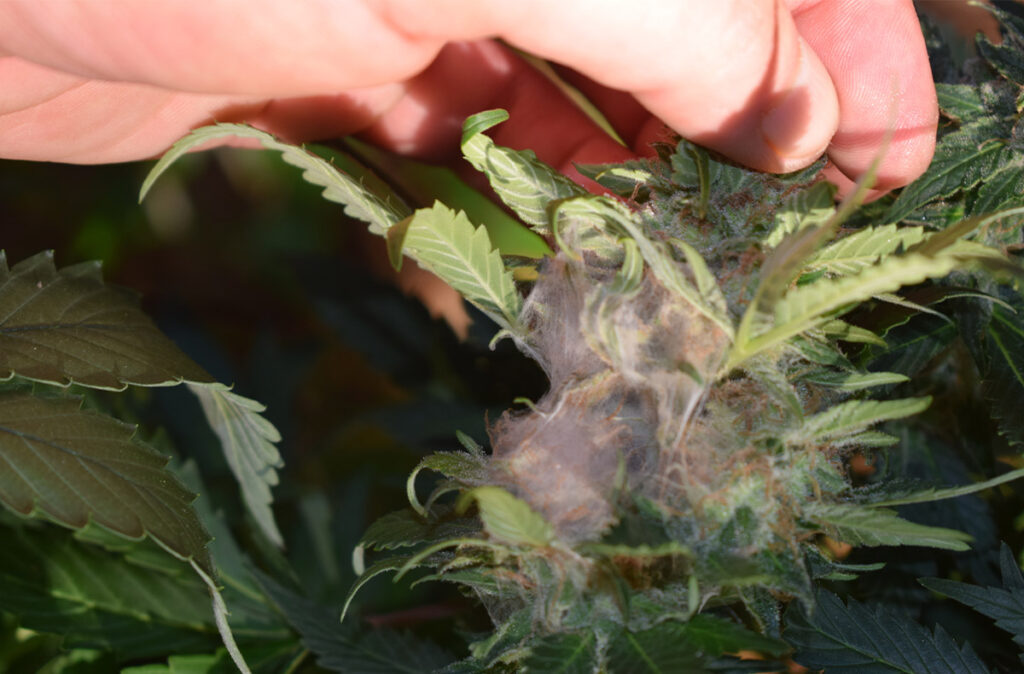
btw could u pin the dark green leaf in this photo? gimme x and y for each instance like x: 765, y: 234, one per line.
x: 664, y: 649
x: 573, y: 653
x: 343, y: 649
x: 1008, y: 56
x: 67, y: 327
x: 960, y: 102
x: 962, y: 159
x: 96, y: 598
x: 717, y: 636
x: 855, y: 639
x: 77, y: 466
x: 1003, y: 377
x: 1005, y: 605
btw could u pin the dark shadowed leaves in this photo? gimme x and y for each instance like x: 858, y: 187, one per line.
x: 67, y: 326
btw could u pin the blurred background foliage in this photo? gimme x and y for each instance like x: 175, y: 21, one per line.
x: 270, y: 287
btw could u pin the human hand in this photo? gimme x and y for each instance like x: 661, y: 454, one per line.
x: 770, y: 84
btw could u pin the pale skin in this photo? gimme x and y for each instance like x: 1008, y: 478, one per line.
x: 771, y: 84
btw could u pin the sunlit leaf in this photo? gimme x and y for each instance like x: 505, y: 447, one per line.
x: 360, y: 203
x: 247, y: 440
x: 446, y: 243
x: 527, y: 185
x: 510, y: 519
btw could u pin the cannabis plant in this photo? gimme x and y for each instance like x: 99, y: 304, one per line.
x: 745, y: 381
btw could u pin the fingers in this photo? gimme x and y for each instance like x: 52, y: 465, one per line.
x: 733, y: 75
x: 876, y: 56
x: 247, y: 47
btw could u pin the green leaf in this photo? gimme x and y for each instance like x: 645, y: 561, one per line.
x: 805, y: 307
x: 508, y: 518
x: 664, y: 649
x: 446, y: 243
x: 1003, y: 380
x: 76, y: 466
x: 1007, y: 57
x: 359, y: 202
x: 344, y: 649
x: 962, y: 159
x: 1003, y: 189
x: 460, y: 466
x: 247, y: 440
x: 806, y: 208
x: 855, y: 639
x: 717, y: 636
x: 527, y: 185
x: 568, y: 653
x: 378, y: 568
x: 1005, y: 605
x: 855, y: 415
x: 623, y: 179
x: 96, y: 598
x: 425, y: 183
x: 853, y: 253
x: 66, y: 327
x: 960, y: 102
x: 862, y: 525
x: 855, y: 381
x: 930, y: 495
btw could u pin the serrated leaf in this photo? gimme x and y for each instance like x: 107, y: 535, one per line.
x: 446, y: 243
x: 862, y: 525
x: 812, y: 207
x: 460, y: 466
x: 67, y: 326
x: 95, y: 598
x: 527, y: 185
x: 508, y: 518
x: 856, y: 415
x: 77, y: 466
x: 805, y: 307
x: 962, y: 159
x: 359, y: 202
x: 569, y: 653
x: 1003, y: 381
x: 1003, y: 189
x: 855, y: 639
x: 855, y: 381
x: 1005, y: 605
x: 376, y: 569
x: 664, y: 649
x: 960, y: 102
x: 425, y: 183
x: 344, y: 649
x: 939, y: 494
x: 716, y: 636
x: 853, y: 253
x: 49, y: 560
x: 247, y: 440
x: 1007, y: 57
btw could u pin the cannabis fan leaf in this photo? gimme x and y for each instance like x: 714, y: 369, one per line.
x: 77, y: 466
x: 68, y: 327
